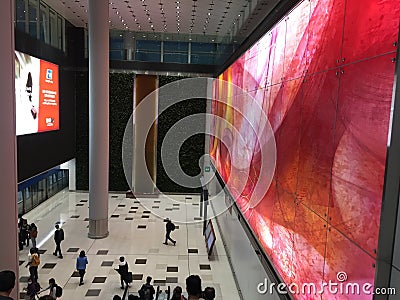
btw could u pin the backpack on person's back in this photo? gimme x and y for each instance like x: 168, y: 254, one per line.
x: 35, y: 260
x: 59, y: 291
x: 146, y: 292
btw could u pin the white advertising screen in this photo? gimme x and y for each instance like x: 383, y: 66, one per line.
x: 36, y: 94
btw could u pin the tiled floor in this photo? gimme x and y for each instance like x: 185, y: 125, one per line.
x: 137, y: 231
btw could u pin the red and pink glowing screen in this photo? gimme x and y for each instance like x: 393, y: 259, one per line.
x: 324, y: 77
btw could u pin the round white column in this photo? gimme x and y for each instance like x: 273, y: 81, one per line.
x: 98, y: 117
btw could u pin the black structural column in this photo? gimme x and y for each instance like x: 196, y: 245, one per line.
x: 98, y: 117
x: 8, y: 158
x: 390, y: 202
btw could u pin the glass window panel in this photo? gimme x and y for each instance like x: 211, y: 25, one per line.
x: 358, y: 170
x: 53, y: 29
x: 148, y: 56
x: 44, y: 24
x: 308, y: 247
x: 116, y: 42
x: 204, y: 58
x: 203, y: 47
x: 27, y: 200
x: 148, y: 45
x: 116, y: 54
x: 176, y: 46
x: 176, y: 58
x: 20, y: 14
x: 33, y: 9
x: 287, y: 112
x: 343, y: 256
x: 371, y: 28
x: 60, y: 32
x: 317, y: 141
x: 21, y: 208
x: 325, y: 32
x: 282, y: 233
x: 296, y: 41
x: 277, y: 58
x: 20, y: 199
x: 35, y: 198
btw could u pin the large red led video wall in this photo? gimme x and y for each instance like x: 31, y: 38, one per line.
x: 324, y: 77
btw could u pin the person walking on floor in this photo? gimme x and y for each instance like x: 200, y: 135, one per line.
x: 58, y: 238
x: 123, y: 271
x: 169, y: 227
x: 33, y: 263
x: 81, y: 262
x: 33, y: 234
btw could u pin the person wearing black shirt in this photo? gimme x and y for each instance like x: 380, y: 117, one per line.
x: 168, y: 228
x: 147, y: 291
x: 123, y: 271
x: 58, y: 238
